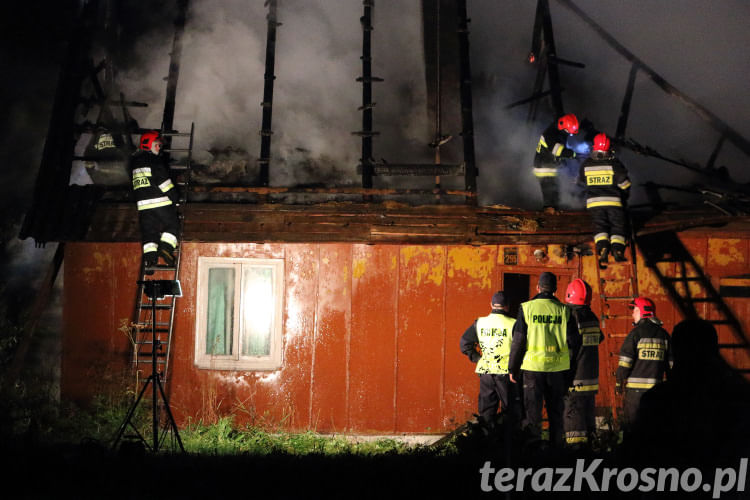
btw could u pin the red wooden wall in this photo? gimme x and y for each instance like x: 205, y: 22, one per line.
x: 370, y: 332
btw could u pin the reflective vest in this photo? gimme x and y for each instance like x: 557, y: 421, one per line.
x: 546, y: 336
x: 494, y: 333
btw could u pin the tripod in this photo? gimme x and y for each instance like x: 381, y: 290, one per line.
x: 154, y: 289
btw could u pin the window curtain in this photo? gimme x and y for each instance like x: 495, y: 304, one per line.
x: 220, y: 314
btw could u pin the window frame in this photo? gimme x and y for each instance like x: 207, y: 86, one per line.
x: 236, y: 361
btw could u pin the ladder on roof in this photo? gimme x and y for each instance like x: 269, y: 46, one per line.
x: 692, y: 292
x: 618, y: 286
x: 179, y: 160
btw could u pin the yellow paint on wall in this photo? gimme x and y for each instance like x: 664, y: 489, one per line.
x: 725, y: 251
x: 557, y: 255
x: 358, y: 268
x: 469, y: 260
x: 424, y: 271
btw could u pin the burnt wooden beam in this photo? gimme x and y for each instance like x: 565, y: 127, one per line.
x: 325, y: 191
x: 417, y: 169
x: 50, y: 190
x: 552, y: 69
x: 167, y: 122
x: 467, y: 116
x: 717, y: 123
x: 622, y: 121
x: 264, y: 160
x: 367, y: 79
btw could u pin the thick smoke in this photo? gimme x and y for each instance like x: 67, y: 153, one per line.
x: 316, y: 96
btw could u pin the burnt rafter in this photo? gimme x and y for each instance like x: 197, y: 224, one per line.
x: 544, y: 54
x: 268, y: 80
x: 44, y: 217
x: 638, y: 65
x: 367, y: 133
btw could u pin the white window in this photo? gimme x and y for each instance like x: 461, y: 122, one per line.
x: 238, y: 320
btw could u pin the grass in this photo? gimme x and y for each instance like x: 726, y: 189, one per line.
x: 224, y: 438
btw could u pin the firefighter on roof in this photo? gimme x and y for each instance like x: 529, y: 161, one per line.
x: 493, y: 335
x: 156, y: 198
x: 579, y: 417
x: 544, y: 337
x: 645, y: 357
x: 550, y: 151
x: 607, y: 186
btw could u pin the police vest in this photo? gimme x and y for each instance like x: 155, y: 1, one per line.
x: 547, y: 347
x: 494, y: 333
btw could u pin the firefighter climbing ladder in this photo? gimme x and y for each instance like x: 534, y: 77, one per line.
x: 179, y: 165
x: 691, y: 290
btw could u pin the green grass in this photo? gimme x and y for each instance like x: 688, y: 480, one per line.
x: 224, y: 438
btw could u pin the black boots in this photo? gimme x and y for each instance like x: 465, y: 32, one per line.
x: 166, y: 252
x: 618, y: 252
x: 149, y: 260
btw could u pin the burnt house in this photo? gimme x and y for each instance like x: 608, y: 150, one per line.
x: 339, y: 308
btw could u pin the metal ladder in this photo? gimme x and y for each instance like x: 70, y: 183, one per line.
x: 179, y: 160
x: 618, y: 285
x: 691, y: 290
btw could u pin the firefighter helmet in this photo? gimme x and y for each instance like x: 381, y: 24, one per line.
x: 601, y: 142
x: 578, y: 293
x: 568, y: 123
x: 148, y: 138
x: 645, y: 305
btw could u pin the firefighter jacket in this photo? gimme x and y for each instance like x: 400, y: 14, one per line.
x: 152, y: 185
x: 586, y: 375
x: 550, y: 150
x: 605, y: 179
x: 493, y: 334
x: 544, y: 336
x: 645, y: 356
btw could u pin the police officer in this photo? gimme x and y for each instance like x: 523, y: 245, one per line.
x: 156, y: 197
x: 544, y: 337
x: 607, y: 186
x: 645, y: 357
x: 550, y: 150
x: 579, y: 416
x: 492, y: 334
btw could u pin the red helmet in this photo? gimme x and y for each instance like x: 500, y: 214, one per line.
x: 568, y: 123
x: 578, y: 293
x: 646, y: 306
x: 601, y: 142
x: 148, y: 138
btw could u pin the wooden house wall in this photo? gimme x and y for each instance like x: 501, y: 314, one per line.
x: 370, y: 332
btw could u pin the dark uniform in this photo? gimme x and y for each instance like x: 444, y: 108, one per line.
x: 645, y: 358
x: 156, y: 197
x: 579, y: 416
x: 606, y: 182
x: 549, y: 152
x: 543, y: 339
x: 493, y: 334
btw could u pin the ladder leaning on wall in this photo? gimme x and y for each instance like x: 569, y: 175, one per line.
x: 179, y: 159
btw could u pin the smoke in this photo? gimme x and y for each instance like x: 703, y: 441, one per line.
x: 316, y: 95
